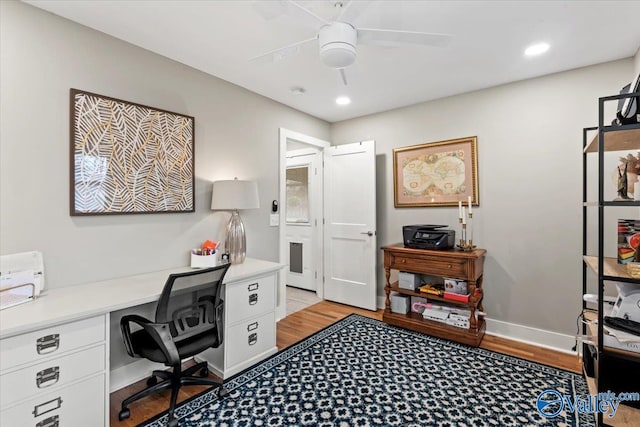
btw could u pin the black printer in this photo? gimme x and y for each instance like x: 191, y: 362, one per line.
x: 428, y: 236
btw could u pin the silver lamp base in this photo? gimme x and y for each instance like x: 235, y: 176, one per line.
x: 236, y: 242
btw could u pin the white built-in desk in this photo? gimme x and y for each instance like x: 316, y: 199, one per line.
x: 54, y: 351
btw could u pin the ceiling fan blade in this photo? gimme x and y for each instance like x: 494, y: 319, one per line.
x: 304, y: 15
x: 282, y: 52
x: 379, y: 37
x: 269, y: 9
x: 273, y: 9
x: 343, y: 74
x: 352, y: 10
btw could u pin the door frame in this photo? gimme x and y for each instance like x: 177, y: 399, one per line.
x: 286, y: 135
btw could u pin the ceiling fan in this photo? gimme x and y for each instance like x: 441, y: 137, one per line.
x: 338, y: 39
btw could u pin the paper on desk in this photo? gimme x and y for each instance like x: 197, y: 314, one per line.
x: 17, y: 295
x: 16, y: 278
x: 27, y: 263
x: 20, y: 278
x: 622, y: 336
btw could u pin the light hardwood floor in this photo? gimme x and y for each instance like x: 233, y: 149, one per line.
x: 298, y: 299
x: 305, y: 322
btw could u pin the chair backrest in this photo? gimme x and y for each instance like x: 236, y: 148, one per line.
x: 190, y: 302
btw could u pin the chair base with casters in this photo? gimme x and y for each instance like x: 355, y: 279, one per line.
x: 189, y: 320
x: 173, y: 380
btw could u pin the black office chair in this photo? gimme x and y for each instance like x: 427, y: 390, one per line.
x: 189, y: 319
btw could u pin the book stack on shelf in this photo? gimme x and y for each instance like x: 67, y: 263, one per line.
x: 628, y: 239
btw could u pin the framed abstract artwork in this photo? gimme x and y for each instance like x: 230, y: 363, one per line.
x: 128, y: 158
x: 436, y: 174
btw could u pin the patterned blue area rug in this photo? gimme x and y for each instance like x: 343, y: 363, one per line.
x: 363, y: 372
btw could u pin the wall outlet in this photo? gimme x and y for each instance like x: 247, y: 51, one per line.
x: 274, y: 220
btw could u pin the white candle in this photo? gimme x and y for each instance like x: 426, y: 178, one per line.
x: 464, y: 217
x: 459, y: 209
x: 469, y: 205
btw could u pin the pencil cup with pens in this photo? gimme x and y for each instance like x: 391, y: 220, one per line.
x: 205, y: 256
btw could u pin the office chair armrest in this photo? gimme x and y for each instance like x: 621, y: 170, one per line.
x: 159, y: 332
x: 125, y: 328
x: 219, y: 313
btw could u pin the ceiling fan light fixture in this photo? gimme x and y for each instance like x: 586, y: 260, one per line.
x: 338, y: 55
x: 338, y: 44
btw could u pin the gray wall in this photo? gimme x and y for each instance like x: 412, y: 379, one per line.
x: 637, y: 62
x: 530, y: 176
x: 43, y: 56
x: 529, y: 137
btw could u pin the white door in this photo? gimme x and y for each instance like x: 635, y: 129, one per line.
x: 302, y: 209
x: 350, y: 224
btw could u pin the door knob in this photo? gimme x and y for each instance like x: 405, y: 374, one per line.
x: 368, y: 233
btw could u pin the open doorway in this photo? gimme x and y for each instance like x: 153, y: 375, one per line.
x: 340, y: 253
x: 300, y: 236
x: 302, y: 210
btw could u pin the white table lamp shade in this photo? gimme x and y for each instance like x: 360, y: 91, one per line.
x: 234, y: 195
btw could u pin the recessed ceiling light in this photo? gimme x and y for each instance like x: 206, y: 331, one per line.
x: 536, y: 49
x: 343, y: 100
x: 297, y: 90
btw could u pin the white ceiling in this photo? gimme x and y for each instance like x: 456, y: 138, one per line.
x: 489, y: 37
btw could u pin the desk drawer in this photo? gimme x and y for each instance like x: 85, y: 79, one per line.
x: 34, y: 346
x: 437, y: 267
x: 81, y: 404
x: 250, y: 338
x: 38, y: 379
x: 247, y: 299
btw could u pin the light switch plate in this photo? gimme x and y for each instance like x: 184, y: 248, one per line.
x: 274, y: 220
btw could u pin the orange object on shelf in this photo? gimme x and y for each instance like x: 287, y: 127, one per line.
x: 208, y: 244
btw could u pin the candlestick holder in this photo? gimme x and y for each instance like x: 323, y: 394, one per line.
x: 466, y: 245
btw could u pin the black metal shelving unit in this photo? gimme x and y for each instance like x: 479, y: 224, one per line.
x: 608, y: 360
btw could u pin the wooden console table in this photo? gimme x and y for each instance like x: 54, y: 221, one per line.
x: 448, y: 263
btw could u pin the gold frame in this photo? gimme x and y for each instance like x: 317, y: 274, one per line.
x: 447, y: 191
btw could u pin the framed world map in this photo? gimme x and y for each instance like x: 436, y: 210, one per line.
x: 440, y: 173
x: 128, y: 158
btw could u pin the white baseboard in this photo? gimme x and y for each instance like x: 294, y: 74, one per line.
x: 526, y: 334
x: 534, y: 336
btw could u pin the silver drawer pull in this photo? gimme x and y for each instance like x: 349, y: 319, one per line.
x: 252, y: 326
x: 48, y: 344
x: 50, y: 422
x: 253, y: 287
x: 253, y: 299
x: 48, y: 406
x: 48, y: 377
x: 253, y: 338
